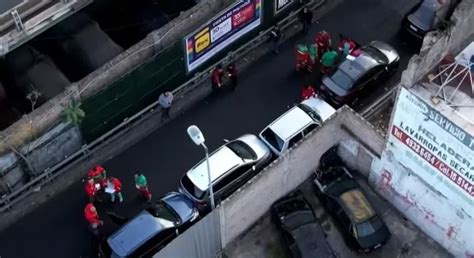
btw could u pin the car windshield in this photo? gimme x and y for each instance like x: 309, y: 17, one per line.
x: 369, y: 226
x: 242, y: 150
x: 191, y: 188
x: 273, y: 139
x: 161, y: 210
x: 342, y: 79
x: 426, y: 14
x: 311, y: 112
x: 375, y: 54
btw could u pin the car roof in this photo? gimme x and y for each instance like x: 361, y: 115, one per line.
x: 311, y: 241
x: 290, y: 123
x: 358, y: 66
x: 220, y: 161
x: 134, y: 233
x: 357, y: 205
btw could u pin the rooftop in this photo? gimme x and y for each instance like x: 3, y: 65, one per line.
x: 22, y: 20
x: 449, y: 86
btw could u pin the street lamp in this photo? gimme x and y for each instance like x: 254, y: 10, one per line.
x: 198, y: 138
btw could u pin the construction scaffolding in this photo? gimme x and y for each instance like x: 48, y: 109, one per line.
x: 455, y: 74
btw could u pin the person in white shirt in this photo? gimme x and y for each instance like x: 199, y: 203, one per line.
x: 165, y: 100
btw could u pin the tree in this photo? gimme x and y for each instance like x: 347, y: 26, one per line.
x: 73, y: 113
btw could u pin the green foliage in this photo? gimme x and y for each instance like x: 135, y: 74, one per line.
x: 73, y: 113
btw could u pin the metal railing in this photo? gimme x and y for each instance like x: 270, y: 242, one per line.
x: 50, y: 174
x: 380, y: 104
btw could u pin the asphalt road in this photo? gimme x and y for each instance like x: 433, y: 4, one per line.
x: 267, y: 89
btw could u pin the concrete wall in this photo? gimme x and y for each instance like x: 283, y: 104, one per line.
x: 241, y: 210
x: 437, y: 44
x: 452, y: 227
x: 45, y: 116
x: 11, y: 174
x: 46, y: 151
x: 53, y: 147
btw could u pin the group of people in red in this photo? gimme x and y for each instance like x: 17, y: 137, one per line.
x: 321, y: 53
x: 97, y: 184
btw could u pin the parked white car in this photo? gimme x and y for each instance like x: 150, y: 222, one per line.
x: 233, y: 164
x: 293, y: 125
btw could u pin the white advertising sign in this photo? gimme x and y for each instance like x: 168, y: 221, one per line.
x: 433, y: 147
x: 281, y: 4
x: 221, y: 29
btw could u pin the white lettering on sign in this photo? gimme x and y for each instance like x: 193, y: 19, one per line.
x: 445, y: 159
x: 221, y: 29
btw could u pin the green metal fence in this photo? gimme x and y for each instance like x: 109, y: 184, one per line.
x: 142, y: 86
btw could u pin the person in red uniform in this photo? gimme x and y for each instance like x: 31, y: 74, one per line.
x: 115, y: 185
x: 91, y: 190
x: 308, y: 92
x: 232, y: 73
x: 323, y: 40
x: 99, y: 174
x: 346, y: 45
x: 92, y: 217
x: 216, y: 77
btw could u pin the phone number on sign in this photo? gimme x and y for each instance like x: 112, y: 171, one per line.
x: 433, y: 160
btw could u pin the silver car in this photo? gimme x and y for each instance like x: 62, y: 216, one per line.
x: 231, y: 165
x: 371, y: 65
x: 151, y: 229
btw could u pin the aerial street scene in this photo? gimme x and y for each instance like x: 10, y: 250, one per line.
x: 236, y: 128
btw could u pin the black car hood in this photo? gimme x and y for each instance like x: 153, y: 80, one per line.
x: 311, y: 241
x: 381, y: 236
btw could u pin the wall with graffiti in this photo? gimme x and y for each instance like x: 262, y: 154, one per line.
x: 426, y: 171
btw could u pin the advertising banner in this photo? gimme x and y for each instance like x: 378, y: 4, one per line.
x: 281, y: 4
x: 433, y: 147
x: 221, y: 31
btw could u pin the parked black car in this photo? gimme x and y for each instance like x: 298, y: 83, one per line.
x: 361, y: 70
x: 426, y: 16
x: 363, y: 229
x: 150, y: 230
x: 299, y: 227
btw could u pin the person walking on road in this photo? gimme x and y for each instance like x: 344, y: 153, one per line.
x: 142, y: 186
x: 114, y: 188
x: 165, y: 100
x: 91, y: 190
x: 323, y: 41
x: 275, y: 36
x: 216, y: 78
x: 232, y: 73
x: 328, y: 60
x: 92, y: 217
x: 308, y: 92
x: 306, y: 17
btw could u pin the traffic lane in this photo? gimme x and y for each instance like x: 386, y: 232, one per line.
x: 381, y: 21
x: 265, y: 91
